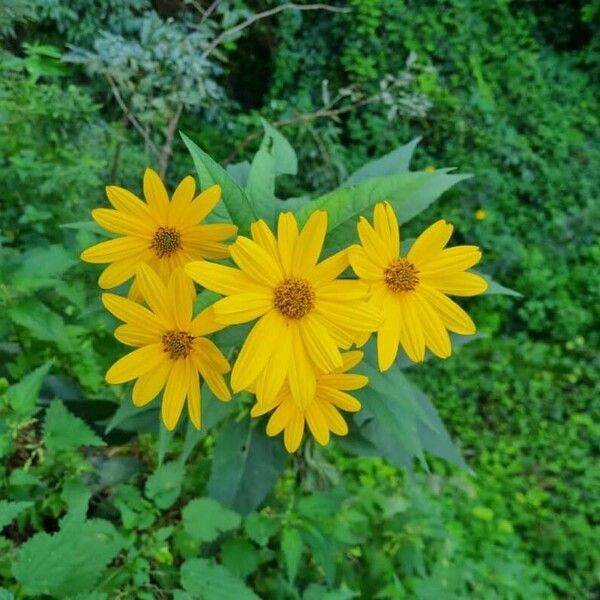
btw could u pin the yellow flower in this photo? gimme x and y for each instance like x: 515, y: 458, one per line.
x: 480, y: 214
x: 305, y: 314
x: 161, y: 233
x: 429, y: 169
x: 411, y: 291
x: 170, y: 347
x: 321, y: 414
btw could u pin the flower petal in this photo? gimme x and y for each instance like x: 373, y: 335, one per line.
x: 317, y: 423
x: 149, y: 385
x: 373, y: 245
x: 338, y: 398
x: 430, y: 242
x: 205, y: 323
x: 156, y: 195
x: 133, y: 335
x: 123, y: 223
x: 155, y: 294
x: 457, y: 284
x: 194, y: 402
x: 319, y: 345
x: 131, y: 312
x: 118, y: 249
x: 180, y: 202
x: 221, y: 279
x: 335, y: 422
x: 358, y: 316
x: 363, y: 266
x: 120, y: 271
x: 176, y: 390
x: 202, y: 205
x: 412, y: 337
x: 272, y: 377
x: 309, y: 246
x: 450, y: 260
x: 179, y: 300
x: 388, y: 340
x: 301, y: 375
x: 344, y: 381
x: 294, y: 431
x: 452, y: 315
x: 242, y: 308
x: 386, y: 226
x: 281, y: 417
x: 330, y: 268
x: 135, y: 363
x: 256, y: 262
x: 343, y: 290
x: 126, y: 202
x: 287, y: 235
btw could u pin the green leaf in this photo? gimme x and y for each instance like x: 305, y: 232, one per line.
x: 164, y: 485
x: 76, y: 496
x: 41, y: 322
x: 239, y: 172
x: 286, y: 162
x: 41, y: 267
x: 164, y: 440
x: 260, y: 528
x: 205, y: 519
x: 64, y: 431
x: 393, y: 163
x: 260, y: 187
x: 234, y: 198
x: 23, y: 396
x: 210, y: 581
x: 291, y: 546
x: 68, y: 562
x: 240, y: 557
x: 409, y: 193
x: 495, y: 288
x: 5, y: 594
x: 246, y: 465
x: 10, y: 510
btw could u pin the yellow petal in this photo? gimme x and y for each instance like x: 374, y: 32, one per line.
x: 338, y: 398
x: 193, y: 402
x: 120, y: 271
x: 136, y: 336
x: 350, y: 360
x: 123, y: 223
x: 149, y: 385
x: 221, y: 279
x: 309, y: 244
x: 256, y: 351
x: 255, y: 262
x: 135, y: 363
x: 450, y: 260
x: 363, y: 266
x: 412, y: 337
x: 156, y: 195
x: 386, y: 226
x: 358, y: 316
x: 373, y: 245
x: 294, y: 431
x: 264, y: 237
x: 344, y: 290
x: 436, y: 336
x: 319, y: 345
x: 178, y: 385
x: 301, y: 375
x: 317, y: 423
x: 330, y: 268
x: 117, y: 249
x: 211, y: 355
x: 131, y: 312
x: 242, y: 308
x: 453, y: 316
x: 155, y: 294
x: 430, y: 242
x: 388, y: 340
x: 216, y: 232
x: 343, y: 337
x: 180, y: 202
x: 457, y: 284
x: 287, y: 235
x: 333, y: 420
x: 271, y: 379
x: 126, y: 202
x: 179, y: 300
x: 206, y: 322
x: 202, y: 205
x: 344, y: 381
x: 281, y: 417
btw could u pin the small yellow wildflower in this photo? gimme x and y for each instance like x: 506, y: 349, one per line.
x: 480, y: 214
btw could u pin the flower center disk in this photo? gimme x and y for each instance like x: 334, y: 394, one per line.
x: 401, y: 276
x: 294, y: 298
x: 166, y: 241
x: 177, y: 344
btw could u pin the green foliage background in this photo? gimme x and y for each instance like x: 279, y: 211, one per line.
x: 507, y: 91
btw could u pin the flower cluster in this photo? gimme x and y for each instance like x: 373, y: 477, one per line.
x: 308, y: 314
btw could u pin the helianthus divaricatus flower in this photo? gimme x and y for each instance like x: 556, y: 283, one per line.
x: 170, y: 347
x: 321, y: 414
x: 165, y: 234
x: 412, y: 291
x: 305, y: 314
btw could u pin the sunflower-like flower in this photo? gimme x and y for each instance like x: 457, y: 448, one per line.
x: 321, y: 414
x: 171, y: 349
x: 305, y: 314
x: 161, y: 233
x: 411, y: 291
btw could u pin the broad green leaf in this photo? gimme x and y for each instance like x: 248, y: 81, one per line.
x: 205, y: 519
x: 393, y: 163
x: 239, y: 172
x: 290, y: 204
x: 409, y: 193
x: 496, y: 288
x: 234, y: 198
x: 41, y: 322
x: 260, y: 528
x: 246, y: 465
x: 164, y: 485
x: 291, y: 546
x: 10, y: 510
x: 41, y: 267
x: 164, y: 439
x: 64, y: 431
x: 210, y: 581
x: 286, y: 162
x: 68, y: 562
x: 5, y: 594
x: 76, y: 496
x: 260, y: 187
x: 240, y: 557
x: 128, y: 417
x: 23, y: 396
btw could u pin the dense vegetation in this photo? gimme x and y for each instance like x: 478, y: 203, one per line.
x: 506, y: 91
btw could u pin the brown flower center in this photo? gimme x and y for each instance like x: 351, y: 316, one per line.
x: 401, y: 276
x: 166, y: 241
x: 294, y: 298
x: 177, y: 344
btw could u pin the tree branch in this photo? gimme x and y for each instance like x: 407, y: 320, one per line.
x: 264, y: 15
x: 167, y: 149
